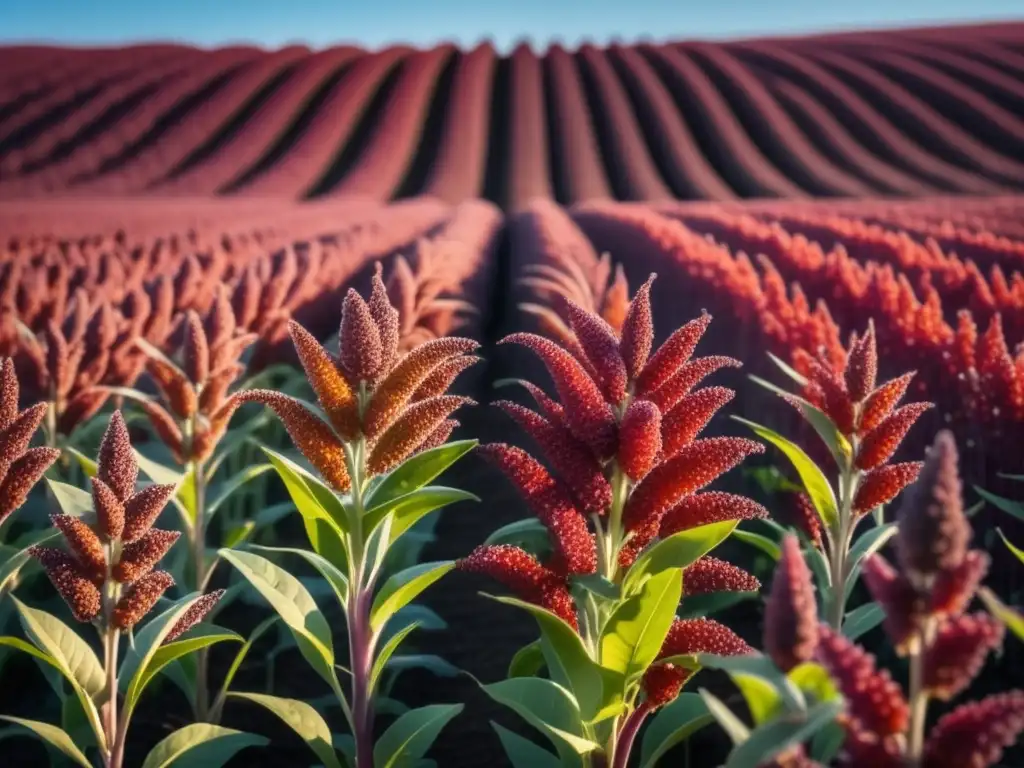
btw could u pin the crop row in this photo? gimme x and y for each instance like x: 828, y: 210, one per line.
x: 894, y: 114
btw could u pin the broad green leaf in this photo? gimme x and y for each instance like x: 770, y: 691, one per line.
x: 634, y: 633
x: 523, y: 753
x: 529, y: 534
x: 1017, y: 552
x: 1012, y: 618
x: 528, y: 661
x: 171, y: 652
x: 53, y: 736
x: 677, y: 551
x: 837, y: 443
x: 75, y: 658
x: 1009, y: 506
x: 404, y: 587
x: 763, y: 699
x: 201, y: 744
x: 568, y: 659
x: 756, y: 665
x: 772, y: 738
x: 222, y: 492
x: 814, y: 681
x: 17, y: 558
x: 862, y: 620
x: 295, y: 606
x: 734, y: 728
x: 301, y: 718
x: 332, y: 575
x: 409, y: 509
x: 762, y: 543
x: 673, y: 724
x: 813, y: 478
x: 599, y: 585
x: 386, y: 652
x: 88, y: 465
x: 549, y: 708
x: 430, y: 662
x: 827, y: 742
x: 411, y: 735
x: 72, y: 501
x: 416, y: 472
x: 323, y: 513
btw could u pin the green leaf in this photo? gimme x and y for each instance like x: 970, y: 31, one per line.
x: 200, y: 637
x: 813, y: 478
x: 53, y: 736
x: 428, y: 661
x: 295, y: 606
x: 677, y: 551
x: 323, y: 514
x: 386, y: 653
x: 772, y: 738
x: 523, y: 753
x: 416, y: 472
x: 827, y: 742
x: 201, y: 744
x: 184, y: 497
x: 634, y: 633
x: 599, y: 585
x: 411, y: 735
x: 529, y: 534
x: 862, y: 620
x: 16, y: 560
x: 72, y: 501
x: 404, y: 587
x: 337, y: 580
x: 549, y: 708
x: 762, y: 543
x: 409, y: 509
x: 837, y: 443
x: 814, y: 681
x: 222, y: 491
x: 88, y: 465
x: 1017, y: 552
x: 789, y: 370
x: 1009, y: 506
x: 673, y: 724
x: 301, y: 718
x: 1013, y: 620
x: 734, y: 728
x: 67, y: 652
x: 763, y: 699
x: 528, y: 661
x: 568, y: 658
x: 756, y: 665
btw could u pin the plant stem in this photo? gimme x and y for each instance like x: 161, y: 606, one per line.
x: 839, y: 544
x: 615, y: 537
x: 360, y: 635
x: 918, y: 694
x: 627, y: 735
x: 112, y: 725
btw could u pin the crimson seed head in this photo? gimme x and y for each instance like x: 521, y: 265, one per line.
x: 9, y: 393
x: 639, y: 439
x: 196, y: 612
x: 140, y: 598
x: 871, y: 694
x: 196, y: 348
x: 791, y: 613
x: 975, y: 734
x: 881, y: 443
x: 22, y: 475
x: 954, y: 589
x: 881, y: 401
x: 710, y: 507
x: 70, y: 581
x: 934, y: 532
x: 142, y: 510
x: 525, y: 576
x: 882, y: 485
x: 15, y: 439
x: 671, y: 355
x: 361, y: 350
x: 903, y: 606
x: 109, y: 510
x: 116, y: 465
x: 85, y: 544
x: 601, y: 348
x: 862, y: 366
x: 709, y: 574
x: 139, y: 557
x: 638, y: 331
x: 958, y: 652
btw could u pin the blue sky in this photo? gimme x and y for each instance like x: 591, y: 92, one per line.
x: 373, y: 23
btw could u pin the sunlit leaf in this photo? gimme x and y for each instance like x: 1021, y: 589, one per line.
x: 404, y: 587
x: 305, y: 721
x: 408, y: 738
x: 677, y: 551
x: 52, y: 735
x: 201, y: 744
x: 673, y: 724
x: 523, y: 753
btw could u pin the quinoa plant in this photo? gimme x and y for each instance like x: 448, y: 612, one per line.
x: 622, y: 533
x: 375, y: 442
x: 859, y: 422
x: 107, y: 574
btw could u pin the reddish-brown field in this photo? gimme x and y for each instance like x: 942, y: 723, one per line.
x: 794, y: 188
